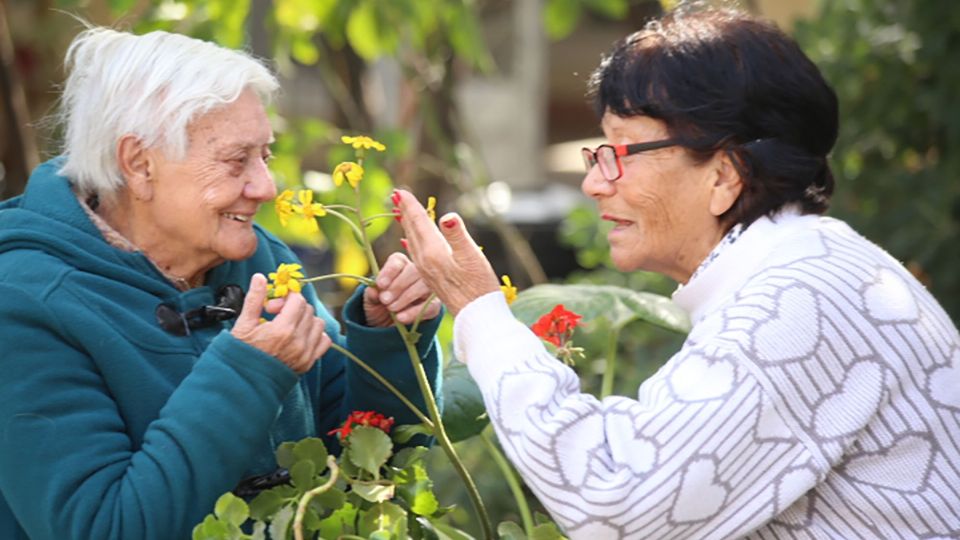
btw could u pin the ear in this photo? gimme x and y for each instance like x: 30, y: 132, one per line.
x: 135, y: 163
x: 727, y: 184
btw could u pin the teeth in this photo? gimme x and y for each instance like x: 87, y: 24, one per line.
x: 236, y: 217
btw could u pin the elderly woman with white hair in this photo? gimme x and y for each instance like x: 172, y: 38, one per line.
x: 131, y: 398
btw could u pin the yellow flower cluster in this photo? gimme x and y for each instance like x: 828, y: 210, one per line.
x: 349, y: 171
x: 284, y: 280
x: 286, y: 208
x: 509, y: 291
x: 362, y: 142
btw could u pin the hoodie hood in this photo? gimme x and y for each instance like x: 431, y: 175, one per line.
x: 48, y: 217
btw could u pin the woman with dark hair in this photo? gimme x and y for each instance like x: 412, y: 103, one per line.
x: 817, y: 395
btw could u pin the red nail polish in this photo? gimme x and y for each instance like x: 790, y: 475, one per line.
x: 405, y: 244
x: 450, y: 223
x: 396, y: 215
x: 395, y: 197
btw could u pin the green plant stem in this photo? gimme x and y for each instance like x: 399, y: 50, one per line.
x: 393, y: 389
x: 441, y: 434
x: 609, y: 370
x: 423, y: 309
x: 368, y: 220
x: 511, y: 477
x: 305, y: 500
x: 362, y: 279
x: 357, y: 230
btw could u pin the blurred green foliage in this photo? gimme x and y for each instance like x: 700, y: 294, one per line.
x: 897, y: 162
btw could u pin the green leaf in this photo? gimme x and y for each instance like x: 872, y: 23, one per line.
x: 424, y: 503
x: 329, y: 500
x: 231, y: 509
x: 211, y: 529
x: 560, y: 17
x: 509, y: 530
x: 404, y: 433
x: 384, y: 516
x: 369, y: 448
x: 264, y: 505
x: 464, y: 414
x: 463, y: 31
x: 259, y: 531
x: 302, y: 473
x: 313, y: 449
x: 444, y: 531
x: 546, y: 531
x: 339, y: 523
x: 618, y: 305
x: 375, y: 491
x: 363, y: 32
x: 281, y: 523
x: 285, y: 456
x: 408, y: 456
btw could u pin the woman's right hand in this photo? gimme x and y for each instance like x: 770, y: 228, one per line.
x: 296, y: 336
x: 450, y: 262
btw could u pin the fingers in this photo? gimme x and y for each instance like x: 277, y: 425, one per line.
x: 457, y: 236
x: 421, y: 232
x: 253, y: 302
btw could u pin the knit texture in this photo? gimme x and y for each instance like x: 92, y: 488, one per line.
x: 817, y: 396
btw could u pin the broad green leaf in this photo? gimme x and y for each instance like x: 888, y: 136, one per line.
x: 416, y: 487
x: 464, y: 414
x: 376, y: 491
x: 264, y: 505
x: 304, y: 51
x: 509, y: 530
x: 281, y: 523
x: 369, y: 448
x: 231, y: 509
x: 339, y: 523
x: 329, y: 500
x: 560, y: 17
x: 313, y: 449
x: 384, y: 516
x: 546, y: 531
x: 616, y: 304
x: 259, y: 531
x: 363, y: 32
x: 404, y: 433
x: 424, y: 503
x: 211, y: 529
x: 446, y: 532
x: 408, y: 456
x: 285, y: 456
x: 302, y: 473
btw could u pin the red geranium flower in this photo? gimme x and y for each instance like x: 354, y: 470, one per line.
x: 362, y: 418
x: 556, y: 326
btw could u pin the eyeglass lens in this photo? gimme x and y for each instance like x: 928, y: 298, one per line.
x: 605, y: 157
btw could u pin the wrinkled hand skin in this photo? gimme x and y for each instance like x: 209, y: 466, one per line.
x: 296, y: 336
x: 399, y: 290
x: 450, y: 262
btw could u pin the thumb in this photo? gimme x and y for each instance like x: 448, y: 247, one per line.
x: 253, y: 302
x: 457, y: 236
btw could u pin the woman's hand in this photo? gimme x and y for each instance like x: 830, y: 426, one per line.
x: 400, y: 290
x: 295, y: 336
x: 450, y: 263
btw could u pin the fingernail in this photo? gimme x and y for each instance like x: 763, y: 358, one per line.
x: 395, y: 197
x: 385, y: 297
x: 450, y: 223
x: 405, y: 244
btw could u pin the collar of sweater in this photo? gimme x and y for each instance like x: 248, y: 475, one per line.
x: 737, y: 262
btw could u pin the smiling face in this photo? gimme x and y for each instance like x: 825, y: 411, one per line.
x: 201, y: 208
x: 665, y: 206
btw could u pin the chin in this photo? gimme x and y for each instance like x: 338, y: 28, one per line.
x: 239, y: 251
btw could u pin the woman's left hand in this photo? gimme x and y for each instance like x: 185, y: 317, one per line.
x: 399, y: 290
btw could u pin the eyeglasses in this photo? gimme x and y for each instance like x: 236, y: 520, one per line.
x: 607, y: 156
x: 229, y: 303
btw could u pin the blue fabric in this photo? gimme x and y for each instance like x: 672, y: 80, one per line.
x: 111, y: 427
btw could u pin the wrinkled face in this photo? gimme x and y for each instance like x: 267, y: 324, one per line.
x: 660, y: 207
x: 203, y: 205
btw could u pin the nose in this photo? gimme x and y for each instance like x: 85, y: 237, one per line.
x: 594, y: 185
x: 260, y: 185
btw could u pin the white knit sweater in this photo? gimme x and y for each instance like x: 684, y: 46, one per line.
x: 817, y: 396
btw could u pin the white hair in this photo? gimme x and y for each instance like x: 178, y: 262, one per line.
x: 150, y: 86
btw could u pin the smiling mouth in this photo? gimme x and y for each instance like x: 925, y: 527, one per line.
x: 616, y: 221
x: 237, y: 217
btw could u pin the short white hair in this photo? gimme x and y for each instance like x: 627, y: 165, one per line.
x: 150, y: 86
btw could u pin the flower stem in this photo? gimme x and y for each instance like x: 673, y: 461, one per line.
x: 357, y: 230
x: 511, y: 476
x: 368, y: 220
x: 606, y: 386
x: 305, y: 500
x: 423, y: 309
x: 362, y: 279
x: 393, y: 389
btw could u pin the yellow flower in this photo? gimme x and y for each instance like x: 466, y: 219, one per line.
x: 432, y: 208
x: 310, y: 210
x: 284, y: 280
x: 284, y: 206
x: 364, y: 142
x: 508, y: 289
x: 349, y: 171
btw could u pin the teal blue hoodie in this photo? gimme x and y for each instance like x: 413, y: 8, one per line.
x: 110, y: 427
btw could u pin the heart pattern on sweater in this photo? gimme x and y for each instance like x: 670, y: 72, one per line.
x: 850, y: 407
x: 944, y: 384
x: 701, y: 494
x: 903, y: 466
x: 700, y: 379
x: 787, y: 334
x: 537, y: 384
x: 576, y: 464
x: 890, y: 299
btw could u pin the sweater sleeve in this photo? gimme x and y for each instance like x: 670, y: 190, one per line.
x: 701, y: 453
x: 68, y: 468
